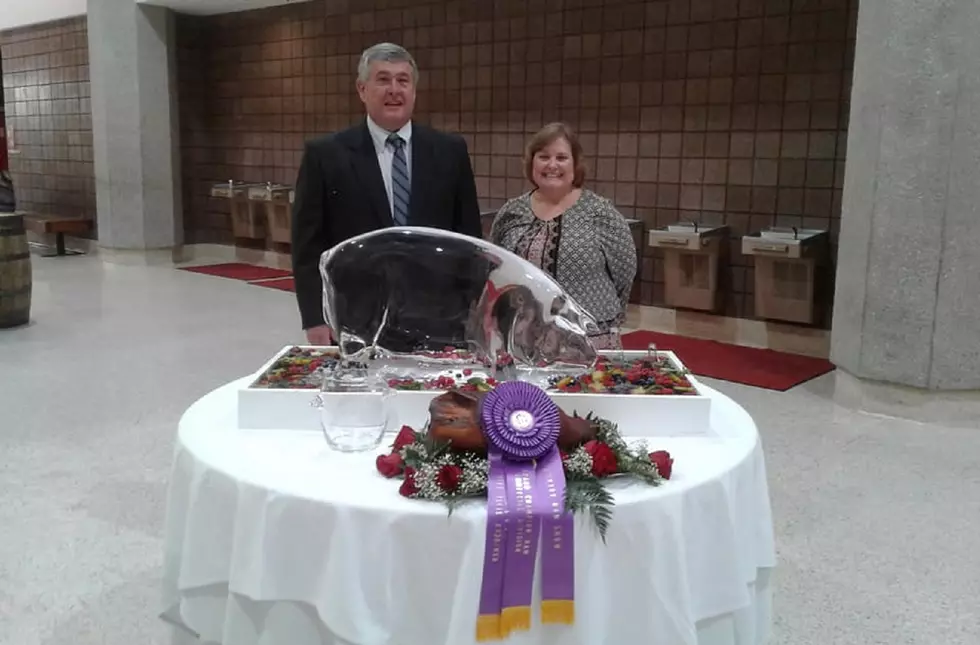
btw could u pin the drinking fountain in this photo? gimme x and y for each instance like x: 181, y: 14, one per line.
x: 785, y: 271
x: 245, y: 222
x: 694, y: 254
x: 275, y: 203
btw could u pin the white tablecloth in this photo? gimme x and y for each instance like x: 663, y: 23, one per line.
x: 273, y: 539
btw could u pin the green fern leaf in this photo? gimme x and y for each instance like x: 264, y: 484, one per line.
x: 588, y: 495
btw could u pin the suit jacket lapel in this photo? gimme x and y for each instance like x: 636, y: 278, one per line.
x: 365, y: 162
x: 422, y: 165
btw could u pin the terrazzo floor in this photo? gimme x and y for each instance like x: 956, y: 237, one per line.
x: 876, y: 518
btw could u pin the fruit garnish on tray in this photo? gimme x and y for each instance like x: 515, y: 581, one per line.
x: 654, y: 374
x: 645, y: 376
x: 300, y: 368
x: 464, y: 381
x: 648, y: 375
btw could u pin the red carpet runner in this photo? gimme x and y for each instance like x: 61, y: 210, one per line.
x: 763, y: 368
x: 239, y: 271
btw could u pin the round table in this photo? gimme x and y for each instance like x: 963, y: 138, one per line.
x: 273, y: 538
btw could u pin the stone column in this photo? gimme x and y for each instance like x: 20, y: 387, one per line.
x: 907, y: 305
x: 134, y: 125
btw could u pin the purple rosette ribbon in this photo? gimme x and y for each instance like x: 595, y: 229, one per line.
x: 526, y: 489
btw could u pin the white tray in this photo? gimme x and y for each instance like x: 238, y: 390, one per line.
x: 637, y: 415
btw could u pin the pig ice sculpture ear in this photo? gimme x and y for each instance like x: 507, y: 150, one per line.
x: 418, y: 292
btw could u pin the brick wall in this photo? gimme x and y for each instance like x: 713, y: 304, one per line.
x: 49, y: 117
x: 727, y: 110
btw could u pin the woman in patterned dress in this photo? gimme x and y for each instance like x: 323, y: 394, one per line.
x: 573, y: 234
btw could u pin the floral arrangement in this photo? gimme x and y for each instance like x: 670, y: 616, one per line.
x: 432, y: 469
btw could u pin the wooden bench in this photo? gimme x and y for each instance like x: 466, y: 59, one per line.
x: 59, y: 226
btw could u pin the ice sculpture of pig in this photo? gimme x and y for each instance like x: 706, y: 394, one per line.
x: 404, y: 290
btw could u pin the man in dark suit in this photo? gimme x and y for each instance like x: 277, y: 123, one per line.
x: 385, y: 171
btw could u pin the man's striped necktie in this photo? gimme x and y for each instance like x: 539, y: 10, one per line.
x: 401, y: 187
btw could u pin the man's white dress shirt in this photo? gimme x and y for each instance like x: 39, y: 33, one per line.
x: 386, y: 154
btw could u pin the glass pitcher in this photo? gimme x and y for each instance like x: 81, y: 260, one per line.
x: 356, y: 408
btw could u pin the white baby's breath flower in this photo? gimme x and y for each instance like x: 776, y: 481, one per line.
x: 579, y: 462
x: 475, y: 473
x: 425, y: 481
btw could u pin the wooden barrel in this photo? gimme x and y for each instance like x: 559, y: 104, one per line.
x: 15, y: 272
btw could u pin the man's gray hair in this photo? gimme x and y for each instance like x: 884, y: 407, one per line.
x: 388, y: 52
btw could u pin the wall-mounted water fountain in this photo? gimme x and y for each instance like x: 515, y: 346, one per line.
x: 246, y: 222
x: 274, y: 201
x: 694, y: 254
x: 785, y: 263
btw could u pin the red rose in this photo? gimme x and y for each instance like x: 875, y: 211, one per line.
x: 603, y: 459
x: 406, y: 437
x: 448, y: 477
x: 663, y: 461
x: 408, y: 487
x: 390, y: 465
